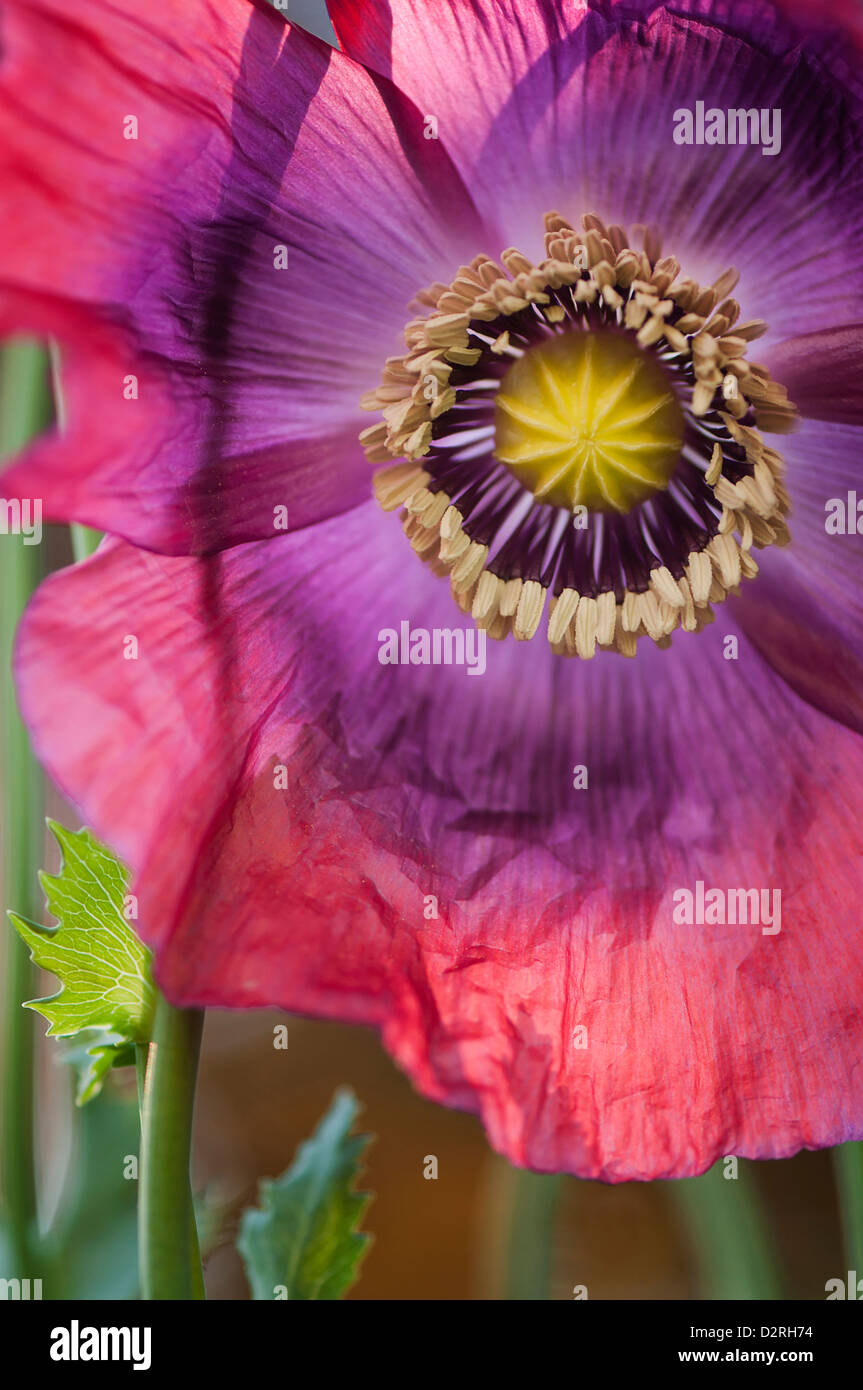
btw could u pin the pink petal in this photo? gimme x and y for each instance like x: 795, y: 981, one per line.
x: 162, y: 250
x: 555, y: 905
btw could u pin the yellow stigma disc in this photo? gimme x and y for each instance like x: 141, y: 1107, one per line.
x: 589, y: 419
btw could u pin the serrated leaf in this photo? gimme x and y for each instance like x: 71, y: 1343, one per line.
x: 303, y: 1243
x: 103, y: 969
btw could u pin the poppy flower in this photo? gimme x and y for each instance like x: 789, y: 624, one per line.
x: 514, y: 765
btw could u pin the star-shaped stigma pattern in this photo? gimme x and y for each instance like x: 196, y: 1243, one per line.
x: 590, y: 419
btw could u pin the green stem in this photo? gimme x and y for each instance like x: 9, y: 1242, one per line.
x: 167, y: 1235
x: 848, y: 1169
x: 142, y: 1052
x: 84, y: 541
x: 530, y: 1242
x: 25, y: 407
x: 729, y: 1234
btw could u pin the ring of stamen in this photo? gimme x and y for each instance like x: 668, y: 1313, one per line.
x: 598, y: 381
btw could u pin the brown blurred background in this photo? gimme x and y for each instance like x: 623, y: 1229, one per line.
x: 445, y: 1239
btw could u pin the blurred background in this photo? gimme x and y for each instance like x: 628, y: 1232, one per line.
x: 479, y: 1230
x: 454, y: 1237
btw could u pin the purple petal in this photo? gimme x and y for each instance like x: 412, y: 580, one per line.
x: 251, y: 136
x: 571, y: 106
x: 554, y: 905
x: 822, y: 373
x: 804, y: 612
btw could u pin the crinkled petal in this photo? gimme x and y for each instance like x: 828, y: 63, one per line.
x: 252, y: 250
x: 572, y: 106
x: 404, y: 844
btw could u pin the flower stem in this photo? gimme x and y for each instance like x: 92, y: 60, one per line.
x: 730, y: 1234
x: 142, y: 1052
x: 25, y: 406
x: 848, y: 1168
x: 167, y: 1235
x: 84, y: 541
x: 530, y: 1243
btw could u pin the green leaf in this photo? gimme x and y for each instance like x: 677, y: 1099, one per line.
x: 106, y: 994
x: 303, y: 1242
x: 93, y: 1052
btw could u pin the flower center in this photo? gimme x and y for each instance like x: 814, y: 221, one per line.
x: 583, y: 433
x: 589, y: 419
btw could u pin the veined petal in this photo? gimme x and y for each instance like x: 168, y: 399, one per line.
x: 247, y: 213
x: 302, y: 811
x: 551, y: 104
x: 804, y: 613
x: 822, y: 372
